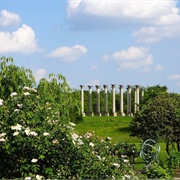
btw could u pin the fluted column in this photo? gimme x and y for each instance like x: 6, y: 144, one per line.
x: 106, y: 113
x: 114, y: 100
x: 82, y: 100
x: 121, y: 101
x: 129, y: 113
x: 136, y: 98
x: 98, y: 101
x: 90, y: 101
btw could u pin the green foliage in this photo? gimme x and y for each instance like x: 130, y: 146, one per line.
x: 56, y: 91
x: 173, y: 161
x: 156, y: 171
x: 159, y: 119
x: 13, y: 78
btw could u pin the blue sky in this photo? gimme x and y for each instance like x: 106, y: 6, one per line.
x: 95, y: 42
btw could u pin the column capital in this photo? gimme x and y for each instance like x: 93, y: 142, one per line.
x: 82, y: 86
x: 128, y: 86
x: 98, y: 86
x: 137, y: 86
x: 113, y: 85
x: 89, y: 86
x: 105, y: 86
x: 121, y: 86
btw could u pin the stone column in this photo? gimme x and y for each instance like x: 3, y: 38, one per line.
x: 129, y: 113
x: 90, y: 101
x: 82, y: 100
x: 98, y: 101
x: 142, y: 94
x: 136, y: 99
x: 106, y: 113
x: 121, y: 101
x: 114, y: 100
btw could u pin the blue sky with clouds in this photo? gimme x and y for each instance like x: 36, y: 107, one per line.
x: 95, y: 42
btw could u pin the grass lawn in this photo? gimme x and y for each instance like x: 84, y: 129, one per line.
x: 118, y: 129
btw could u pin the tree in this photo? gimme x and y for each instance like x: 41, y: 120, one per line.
x: 13, y: 78
x: 159, y: 119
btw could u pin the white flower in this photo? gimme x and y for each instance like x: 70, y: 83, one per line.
x: 38, y: 177
x: 33, y: 90
x: 74, y: 136
x: 33, y: 133
x: 1, y: 102
x: 34, y: 160
x: 91, y: 144
x: 46, y: 134
x: 80, y: 142
x: 72, y: 124
x: 16, y: 133
x: 108, y: 138
x: 116, y: 164
x: 2, y: 140
x: 2, y: 134
x: 126, y: 160
x: 26, y: 88
x: 26, y: 93
x: 17, y: 127
x: 27, y: 131
x: 19, y: 105
x: 13, y: 94
x: 55, y: 141
x: 16, y: 110
x: 28, y: 178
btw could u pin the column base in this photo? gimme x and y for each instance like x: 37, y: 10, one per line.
x: 114, y: 114
x: 91, y: 114
x: 83, y: 114
x: 122, y: 114
x: 106, y: 114
x: 98, y: 114
x: 130, y: 114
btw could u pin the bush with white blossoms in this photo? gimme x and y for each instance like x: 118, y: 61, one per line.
x: 35, y: 142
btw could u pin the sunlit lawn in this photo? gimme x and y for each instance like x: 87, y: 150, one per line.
x: 118, y: 129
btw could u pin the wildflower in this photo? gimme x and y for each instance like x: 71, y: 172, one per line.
x: 27, y: 131
x: 72, y: 124
x: 2, y: 140
x: 126, y: 160
x: 33, y: 90
x: 108, y: 138
x: 16, y: 133
x: 33, y: 133
x: 17, y: 127
x: 2, y: 134
x: 13, y: 94
x: 34, y: 160
x: 80, y: 142
x: 116, y: 165
x: 26, y: 93
x: 38, y: 177
x: 91, y: 144
x: 46, y: 134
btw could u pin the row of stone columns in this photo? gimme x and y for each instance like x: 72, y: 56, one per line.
x: 114, y: 113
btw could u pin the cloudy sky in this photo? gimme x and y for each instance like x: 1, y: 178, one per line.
x: 95, y: 42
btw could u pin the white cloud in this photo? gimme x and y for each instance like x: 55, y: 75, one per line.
x: 155, y: 19
x: 174, y: 77
x: 94, y: 82
x: 21, y: 41
x: 133, y: 58
x: 39, y: 74
x: 68, y: 54
x: 94, y: 67
x: 9, y: 18
x: 158, y: 67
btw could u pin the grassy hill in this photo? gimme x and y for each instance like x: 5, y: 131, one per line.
x: 118, y: 129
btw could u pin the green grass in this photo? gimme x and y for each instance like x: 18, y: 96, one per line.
x: 118, y: 129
